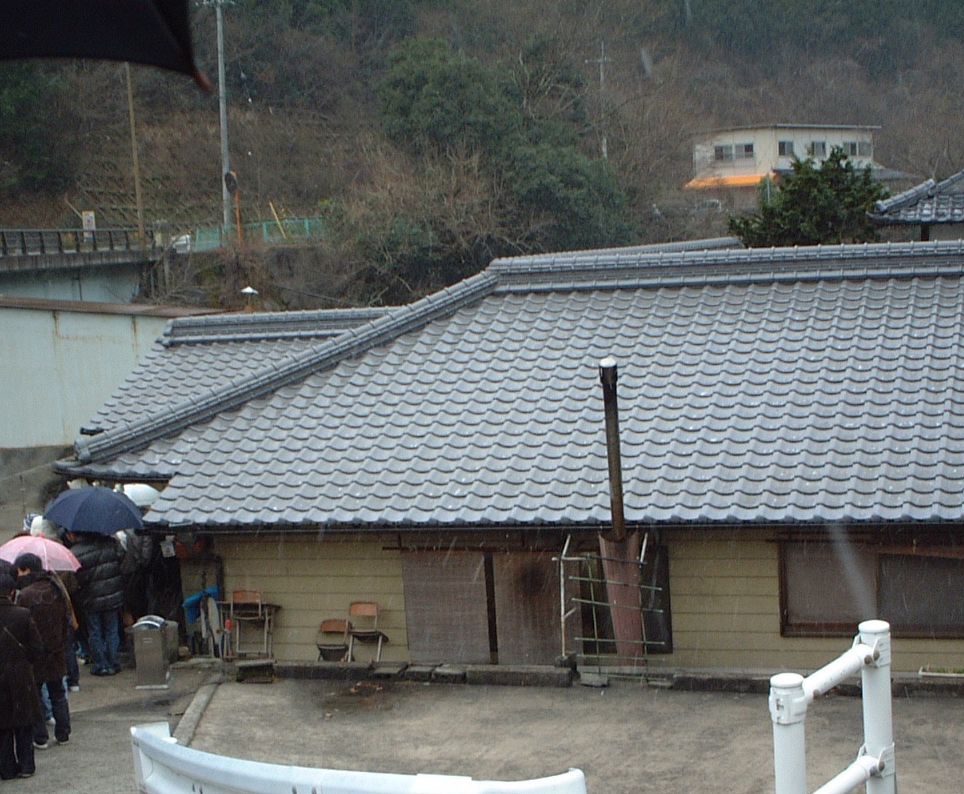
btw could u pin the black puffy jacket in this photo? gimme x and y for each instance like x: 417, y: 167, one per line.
x: 100, y: 586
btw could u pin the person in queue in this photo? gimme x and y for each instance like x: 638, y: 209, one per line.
x: 20, y: 649
x: 46, y: 598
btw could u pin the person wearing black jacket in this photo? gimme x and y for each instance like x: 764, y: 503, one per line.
x: 20, y: 648
x: 47, y: 600
x: 100, y: 595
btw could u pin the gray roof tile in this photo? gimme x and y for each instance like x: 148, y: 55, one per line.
x: 793, y: 397
x: 927, y: 203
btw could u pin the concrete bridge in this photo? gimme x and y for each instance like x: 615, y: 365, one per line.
x: 73, y: 264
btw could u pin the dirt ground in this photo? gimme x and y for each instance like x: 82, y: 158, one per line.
x: 626, y: 738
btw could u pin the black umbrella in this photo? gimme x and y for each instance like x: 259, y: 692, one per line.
x: 152, y: 32
x: 97, y: 510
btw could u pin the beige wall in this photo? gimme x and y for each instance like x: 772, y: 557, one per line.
x: 314, y: 580
x: 724, y: 590
x: 725, y: 594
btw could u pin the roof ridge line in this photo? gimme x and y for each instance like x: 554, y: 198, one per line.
x: 906, y: 197
x: 236, y: 327
x: 353, y: 341
x: 735, y: 264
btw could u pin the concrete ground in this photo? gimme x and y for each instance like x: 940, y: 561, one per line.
x: 98, y: 758
x: 626, y: 738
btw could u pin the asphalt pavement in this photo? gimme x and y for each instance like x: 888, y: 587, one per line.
x: 627, y: 737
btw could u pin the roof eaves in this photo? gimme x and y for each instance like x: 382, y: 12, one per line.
x: 353, y: 342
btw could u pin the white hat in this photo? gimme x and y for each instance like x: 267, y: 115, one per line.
x: 42, y: 527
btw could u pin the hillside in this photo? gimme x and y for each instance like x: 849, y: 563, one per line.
x: 436, y: 134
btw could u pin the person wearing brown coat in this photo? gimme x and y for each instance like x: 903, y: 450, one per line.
x: 47, y: 601
x: 20, y: 646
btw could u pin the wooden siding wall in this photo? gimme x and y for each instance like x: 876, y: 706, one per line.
x: 313, y: 580
x: 725, y: 592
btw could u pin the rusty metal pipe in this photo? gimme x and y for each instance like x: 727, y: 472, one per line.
x: 607, y: 377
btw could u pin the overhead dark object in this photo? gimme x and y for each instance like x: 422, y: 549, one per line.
x: 151, y: 32
x: 95, y: 510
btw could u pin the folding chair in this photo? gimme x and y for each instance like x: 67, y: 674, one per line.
x: 333, y: 640
x: 247, y: 606
x: 367, y: 632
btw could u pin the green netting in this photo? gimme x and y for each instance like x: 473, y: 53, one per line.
x: 271, y: 232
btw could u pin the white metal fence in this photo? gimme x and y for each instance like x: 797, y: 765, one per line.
x: 162, y: 766
x: 791, y: 694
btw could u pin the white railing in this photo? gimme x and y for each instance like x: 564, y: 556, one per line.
x: 790, y: 694
x: 162, y: 766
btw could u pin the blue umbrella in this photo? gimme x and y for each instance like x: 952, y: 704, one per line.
x: 96, y: 510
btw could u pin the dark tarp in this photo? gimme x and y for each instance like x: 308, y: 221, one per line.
x: 151, y: 32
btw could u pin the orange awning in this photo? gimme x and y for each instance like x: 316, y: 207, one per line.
x: 737, y: 180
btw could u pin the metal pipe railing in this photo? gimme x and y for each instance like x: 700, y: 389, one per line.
x: 791, y: 694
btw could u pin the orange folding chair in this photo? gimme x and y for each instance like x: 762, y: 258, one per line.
x: 333, y: 641
x: 364, y: 628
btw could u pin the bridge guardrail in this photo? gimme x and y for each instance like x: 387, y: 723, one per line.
x: 162, y: 766
x: 35, y: 242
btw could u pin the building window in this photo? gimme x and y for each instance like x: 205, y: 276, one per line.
x: 785, y: 148
x: 850, y: 148
x: 865, y: 149
x: 817, y: 149
x: 828, y: 588
x: 729, y: 151
x: 723, y: 153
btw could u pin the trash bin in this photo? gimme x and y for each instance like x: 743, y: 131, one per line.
x: 151, y: 656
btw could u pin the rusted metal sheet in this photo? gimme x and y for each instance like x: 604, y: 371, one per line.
x: 445, y: 606
x: 527, y: 607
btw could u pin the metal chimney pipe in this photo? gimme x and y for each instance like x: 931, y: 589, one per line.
x: 607, y: 377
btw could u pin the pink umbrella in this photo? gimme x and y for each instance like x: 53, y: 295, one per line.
x: 53, y: 555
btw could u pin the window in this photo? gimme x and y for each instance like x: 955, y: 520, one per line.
x: 785, y: 148
x: 726, y: 152
x: 828, y: 588
x: 850, y: 148
x: 865, y: 149
x: 723, y: 153
x: 817, y: 149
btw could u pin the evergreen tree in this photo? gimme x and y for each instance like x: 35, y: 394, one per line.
x: 817, y: 203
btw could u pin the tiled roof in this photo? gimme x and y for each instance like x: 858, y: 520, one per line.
x: 198, y: 355
x: 928, y: 202
x: 784, y: 385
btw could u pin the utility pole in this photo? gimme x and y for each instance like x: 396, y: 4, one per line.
x: 142, y: 237
x: 602, y: 60
x: 223, y: 108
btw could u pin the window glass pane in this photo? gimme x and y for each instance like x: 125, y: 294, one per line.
x: 818, y: 148
x: 864, y: 149
x: 922, y: 592
x: 829, y: 583
x: 786, y: 148
x: 655, y: 601
x: 723, y: 152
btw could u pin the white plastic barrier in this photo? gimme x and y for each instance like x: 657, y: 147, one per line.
x: 162, y: 766
x: 790, y: 694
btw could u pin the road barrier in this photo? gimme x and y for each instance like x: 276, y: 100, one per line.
x: 33, y: 242
x: 162, y: 766
x: 790, y: 694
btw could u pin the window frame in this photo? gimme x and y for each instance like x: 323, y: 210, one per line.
x: 786, y: 149
x: 813, y: 146
x: 878, y: 550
